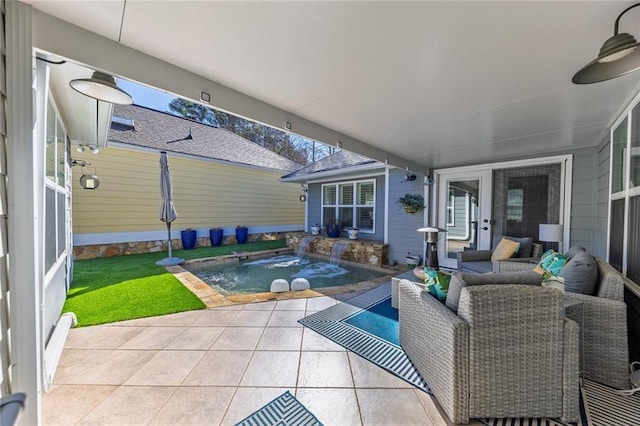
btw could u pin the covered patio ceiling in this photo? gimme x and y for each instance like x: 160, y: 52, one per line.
x: 436, y: 83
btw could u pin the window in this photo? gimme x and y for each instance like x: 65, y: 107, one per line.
x: 515, y: 204
x: 624, y: 233
x: 351, y: 202
x: 451, y: 217
x: 56, y: 188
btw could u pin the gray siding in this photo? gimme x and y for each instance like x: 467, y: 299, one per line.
x: 601, y: 166
x: 314, y: 197
x: 583, y: 196
x: 462, y: 217
x: 403, y: 237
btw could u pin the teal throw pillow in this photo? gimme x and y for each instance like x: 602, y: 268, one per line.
x: 436, y: 283
x: 551, y: 263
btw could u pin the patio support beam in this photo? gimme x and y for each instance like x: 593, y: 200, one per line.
x: 69, y: 41
x: 23, y: 242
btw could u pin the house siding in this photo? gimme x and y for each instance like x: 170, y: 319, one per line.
x: 403, y: 237
x: 583, y: 196
x: 601, y: 166
x: 205, y: 194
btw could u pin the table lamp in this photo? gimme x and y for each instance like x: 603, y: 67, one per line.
x: 551, y: 233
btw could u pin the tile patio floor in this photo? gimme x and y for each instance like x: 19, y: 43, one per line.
x: 219, y: 365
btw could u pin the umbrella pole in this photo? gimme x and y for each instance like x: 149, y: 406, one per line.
x: 169, y: 236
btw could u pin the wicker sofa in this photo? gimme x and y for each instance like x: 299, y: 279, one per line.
x: 508, y: 352
x: 479, y: 261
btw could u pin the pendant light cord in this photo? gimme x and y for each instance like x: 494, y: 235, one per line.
x: 615, y: 28
x: 97, y: 120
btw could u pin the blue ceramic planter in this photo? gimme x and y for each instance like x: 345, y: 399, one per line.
x: 188, y: 237
x: 241, y: 234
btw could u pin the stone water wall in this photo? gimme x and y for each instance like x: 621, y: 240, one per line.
x: 123, y: 249
x: 372, y: 253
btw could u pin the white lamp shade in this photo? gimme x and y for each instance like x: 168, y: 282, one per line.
x: 551, y: 232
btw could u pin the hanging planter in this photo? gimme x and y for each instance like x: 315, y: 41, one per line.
x: 188, y: 237
x: 411, y: 203
x: 242, y: 232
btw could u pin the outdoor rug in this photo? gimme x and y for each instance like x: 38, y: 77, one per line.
x: 361, y: 326
x: 285, y: 410
x: 368, y: 326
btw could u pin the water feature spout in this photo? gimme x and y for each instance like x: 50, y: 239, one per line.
x: 304, y: 244
x: 337, y: 251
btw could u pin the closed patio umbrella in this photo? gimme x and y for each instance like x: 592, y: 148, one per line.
x: 167, y: 210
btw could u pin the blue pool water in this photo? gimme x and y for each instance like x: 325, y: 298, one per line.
x: 256, y: 276
x: 380, y: 320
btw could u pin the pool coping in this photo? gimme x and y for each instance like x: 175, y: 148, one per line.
x: 214, y: 299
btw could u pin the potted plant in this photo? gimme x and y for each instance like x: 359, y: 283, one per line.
x: 412, y: 260
x: 242, y: 232
x: 215, y: 235
x: 315, y: 229
x: 411, y: 203
x: 353, y: 233
x: 188, y: 237
x: 333, y: 227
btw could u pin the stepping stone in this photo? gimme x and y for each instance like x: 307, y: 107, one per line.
x: 300, y: 284
x: 279, y: 286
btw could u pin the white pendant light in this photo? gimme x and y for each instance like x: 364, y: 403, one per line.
x: 102, y: 87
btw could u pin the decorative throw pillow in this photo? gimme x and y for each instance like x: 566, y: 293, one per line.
x: 436, y: 283
x: 551, y: 263
x: 505, y: 249
x: 574, y: 250
x: 580, y: 274
x: 526, y: 244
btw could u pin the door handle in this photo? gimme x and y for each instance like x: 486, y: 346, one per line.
x: 485, y: 228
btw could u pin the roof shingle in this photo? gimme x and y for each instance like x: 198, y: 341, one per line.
x: 153, y: 129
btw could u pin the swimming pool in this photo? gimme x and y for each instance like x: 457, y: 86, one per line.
x: 255, y: 276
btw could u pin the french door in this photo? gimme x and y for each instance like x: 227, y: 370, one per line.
x: 465, y: 212
x: 478, y: 205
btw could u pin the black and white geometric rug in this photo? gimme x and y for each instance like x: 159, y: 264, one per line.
x: 333, y: 324
x: 285, y: 410
x: 599, y: 404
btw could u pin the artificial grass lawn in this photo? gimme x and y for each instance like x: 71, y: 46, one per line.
x: 126, y: 287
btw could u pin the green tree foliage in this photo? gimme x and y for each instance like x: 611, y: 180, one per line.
x: 294, y: 147
x: 193, y: 111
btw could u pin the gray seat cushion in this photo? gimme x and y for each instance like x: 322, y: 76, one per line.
x: 580, y: 274
x: 460, y: 280
x: 526, y: 244
x: 480, y: 266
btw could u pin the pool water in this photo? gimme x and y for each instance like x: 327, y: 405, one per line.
x: 255, y: 276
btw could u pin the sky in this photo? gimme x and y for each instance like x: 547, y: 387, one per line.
x: 145, y: 96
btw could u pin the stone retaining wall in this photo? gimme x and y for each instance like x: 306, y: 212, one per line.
x: 373, y: 253
x: 123, y: 249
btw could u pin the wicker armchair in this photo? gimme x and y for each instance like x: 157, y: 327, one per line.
x: 605, y: 344
x: 507, y: 353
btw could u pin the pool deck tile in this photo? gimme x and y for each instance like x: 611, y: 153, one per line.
x: 202, y: 368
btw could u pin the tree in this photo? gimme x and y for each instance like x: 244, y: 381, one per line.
x: 294, y: 147
x: 193, y: 111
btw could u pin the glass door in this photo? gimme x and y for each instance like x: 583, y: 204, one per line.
x: 464, y: 203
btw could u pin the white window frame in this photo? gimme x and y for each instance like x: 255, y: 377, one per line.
x: 50, y: 272
x: 354, y: 205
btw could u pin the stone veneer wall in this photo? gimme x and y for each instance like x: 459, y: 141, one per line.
x: 123, y: 249
x: 373, y: 253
